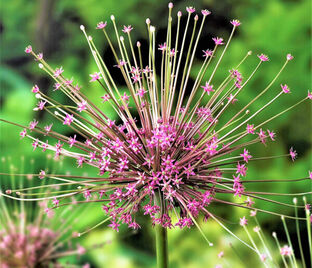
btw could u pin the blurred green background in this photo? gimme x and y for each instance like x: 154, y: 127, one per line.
x: 272, y: 27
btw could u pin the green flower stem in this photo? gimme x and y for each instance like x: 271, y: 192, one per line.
x: 161, y: 242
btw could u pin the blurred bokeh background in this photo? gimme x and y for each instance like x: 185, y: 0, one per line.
x: 272, y: 27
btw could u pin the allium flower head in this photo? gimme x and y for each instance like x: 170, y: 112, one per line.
x: 29, y: 233
x: 164, y: 153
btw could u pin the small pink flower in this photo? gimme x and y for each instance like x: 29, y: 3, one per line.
x: 218, y: 40
x: 39, y: 56
x: 205, y: 12
x: 77, y: 87
x: 190, y: 9
x: 141, y: 92
x: 263, y: 57
x: 243, y: 221
x: 114, y: 225
x: 82, y: 106
x: 253, y: 213
x: 57, y: 86
x: 125, y: 97
x: 246, y: 155
x: 271, y: 135
x: 207, y: 53
x: 44, y: 146
x: 55, y: 202
x: 250, y: 129
x: 42, y: 174
x: 121, y: 63
x: 309, y: 95
x: 68, y: 82
x: 48, y: 128
x: 33, y: 124
x: 162, y: 47
x: 49, y: 212
x: 208, y: 88
x: 256, y: 229
x: 286, y: 251
x: 87, y: 194
x: 58, y: 71
x: 289, y: 57
x: 35, y: 89
x: 81, y: 250
x: 235, y: 22
x: 310, y: 174
x: 127, y: 29
x: 101, y: 25
x: 95, y: 77
x: 232, y: 99
x: 105, y: 98
x: 172, y: 52
x: 41, y: 105
x: 72, y: 141
x: 285, y: 88
x: 28, y: 49
x: 23, y: 133
x: 241, y: 169
x: 68, y: 119
x: 263, y: 257
x: 293, y: 154
x: 221, y: 254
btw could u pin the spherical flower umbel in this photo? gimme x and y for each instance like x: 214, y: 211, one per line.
x: 32, y: 236
x: 169, y: 156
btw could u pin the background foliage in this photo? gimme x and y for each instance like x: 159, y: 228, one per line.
x: 273, y: 27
